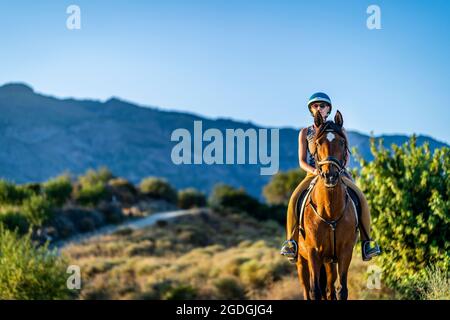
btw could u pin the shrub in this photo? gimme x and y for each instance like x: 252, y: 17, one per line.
x: 227, y: 197
x: 408, y: 193
x: 254, y: 274
x: 37, y: 209
x: 92, y: 177
x: 158, y: 188
x: 14, y: 221
x: 191, y: 198
x: 58, y: 190
x: 279, y: 190
x: 276, y: 213
x: 228, y: 288
x: 111, y: 212
x: 180, y: 292
x: 29, y: 272
x: 91, y: 194
x: 123, y: 190
x: 91, y: 187
x: 435, y: 285
x: 63, y: 225
x: 84, y: 220
x: 171, y: 290
x: 30, y: 188
x: 12, y: 194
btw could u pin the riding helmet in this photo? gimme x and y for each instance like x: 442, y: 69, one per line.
x: 319, y: 97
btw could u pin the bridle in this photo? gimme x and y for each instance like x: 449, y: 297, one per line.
x: 339, y: 164
x: 330, y: 160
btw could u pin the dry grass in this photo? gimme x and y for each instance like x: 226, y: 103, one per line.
x: 209, y: 256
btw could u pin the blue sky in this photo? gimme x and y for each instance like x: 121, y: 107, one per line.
x: 251, y: 60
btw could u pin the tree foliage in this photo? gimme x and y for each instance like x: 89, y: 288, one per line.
x: 407, y: 189
x: 279, y: 190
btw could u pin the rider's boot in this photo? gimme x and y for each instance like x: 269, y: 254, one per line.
x: 368, y: 250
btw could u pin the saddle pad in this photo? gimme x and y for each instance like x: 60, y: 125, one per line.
x: 302, y: 200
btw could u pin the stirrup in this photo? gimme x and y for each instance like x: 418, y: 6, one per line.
x: 368, y: 252
x: 289, y: 249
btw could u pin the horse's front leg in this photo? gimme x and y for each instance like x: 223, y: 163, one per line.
x: 343, y: 265
x: 331, y: 279
x: 314, y: 264
x: 303, y: 275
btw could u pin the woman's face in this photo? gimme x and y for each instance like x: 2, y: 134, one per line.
x: 322, y: 107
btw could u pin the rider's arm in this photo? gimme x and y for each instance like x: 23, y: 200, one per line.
x: 302, y: 142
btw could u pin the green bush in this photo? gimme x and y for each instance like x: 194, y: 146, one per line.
x: 274, y: 212
x: 158, y: 188
x: 11, y: 194
x: 123, y: 190
x: 37, y: 209
x: 90, y: 194
x: 14, y: 221
x: 29, y: 272
x: 92, y: 187
x: 229, y: 198
x: 92, y: 177
x: 279, y: 190
x: 408, y: 194
x: 30, y: 188
x: 58, y: 190
x: 191, y: 198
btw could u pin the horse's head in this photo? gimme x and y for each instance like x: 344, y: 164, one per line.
x: 330, y: 148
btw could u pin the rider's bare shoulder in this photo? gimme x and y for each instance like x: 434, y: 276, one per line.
x: 302, y: 135
x: 303, y: 132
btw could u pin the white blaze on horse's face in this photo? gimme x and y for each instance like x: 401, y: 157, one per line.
x: 330, y: 136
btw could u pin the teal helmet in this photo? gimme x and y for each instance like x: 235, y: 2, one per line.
x: 319, y: 97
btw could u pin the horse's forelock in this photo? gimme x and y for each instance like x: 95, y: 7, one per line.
x: 329, y: 126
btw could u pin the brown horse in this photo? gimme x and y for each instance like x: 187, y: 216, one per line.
x: 329, y: 232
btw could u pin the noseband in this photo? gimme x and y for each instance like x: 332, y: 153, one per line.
x: 330, y: 160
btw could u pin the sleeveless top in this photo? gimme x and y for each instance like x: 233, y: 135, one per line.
x: 309, y: 138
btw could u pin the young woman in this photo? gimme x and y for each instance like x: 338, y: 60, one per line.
x: 320, y: 102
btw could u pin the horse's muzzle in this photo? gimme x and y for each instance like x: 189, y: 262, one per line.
x: 331, y: 179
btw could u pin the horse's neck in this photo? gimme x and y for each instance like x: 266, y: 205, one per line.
x: 329, y: 201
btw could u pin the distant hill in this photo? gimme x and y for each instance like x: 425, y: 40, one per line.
x: 42, y: 136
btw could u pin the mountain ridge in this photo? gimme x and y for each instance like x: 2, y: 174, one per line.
x: 43, y: 136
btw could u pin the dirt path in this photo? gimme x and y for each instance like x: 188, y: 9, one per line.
x: 130, y: 224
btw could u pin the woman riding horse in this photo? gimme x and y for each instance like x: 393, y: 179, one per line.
x: 320, y: 102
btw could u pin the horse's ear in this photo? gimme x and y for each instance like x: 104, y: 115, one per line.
x: 338, y: 119
x: 318, y: 120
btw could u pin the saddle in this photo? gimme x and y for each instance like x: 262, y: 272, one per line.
x: 302, y: 201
